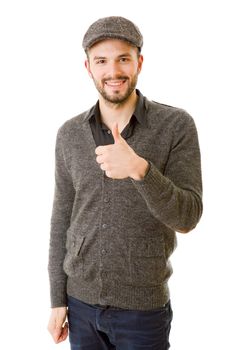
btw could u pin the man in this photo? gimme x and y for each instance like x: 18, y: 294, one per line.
x: 128, y: 176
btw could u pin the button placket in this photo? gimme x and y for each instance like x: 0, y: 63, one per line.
x: 105, y: 227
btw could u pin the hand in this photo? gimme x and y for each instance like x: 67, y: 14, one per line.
x: 119, y: 160
x: 57, y: 326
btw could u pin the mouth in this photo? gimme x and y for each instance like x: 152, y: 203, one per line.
x: 115, y: 83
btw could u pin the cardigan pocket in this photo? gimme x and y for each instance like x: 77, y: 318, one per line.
x: 147, y: 261
x: 73, y: 262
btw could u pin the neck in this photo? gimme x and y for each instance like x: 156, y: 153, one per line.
x: 120, y: 113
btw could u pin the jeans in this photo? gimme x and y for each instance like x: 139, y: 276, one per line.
x: 106, y: 328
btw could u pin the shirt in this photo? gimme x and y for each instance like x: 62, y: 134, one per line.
x: 103, y: 136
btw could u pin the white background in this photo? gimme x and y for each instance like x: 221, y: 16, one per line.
x: 43, y: 82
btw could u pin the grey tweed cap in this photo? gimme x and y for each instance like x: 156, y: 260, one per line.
x: 113, y: 27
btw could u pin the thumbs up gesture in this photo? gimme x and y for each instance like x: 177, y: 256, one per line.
x: 119, y: 160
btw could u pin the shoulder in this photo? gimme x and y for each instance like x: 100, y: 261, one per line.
x: 73, y: 123
x: 71, y: 127
x: 167, y: 116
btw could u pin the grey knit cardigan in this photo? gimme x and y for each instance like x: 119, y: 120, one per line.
x: 111, y: 240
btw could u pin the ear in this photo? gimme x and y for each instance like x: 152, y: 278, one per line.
x: 140, y: 61
x: 87, y: 65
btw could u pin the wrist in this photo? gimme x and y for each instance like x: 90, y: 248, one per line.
x: 140, y: 169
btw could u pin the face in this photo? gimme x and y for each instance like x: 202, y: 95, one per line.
x: 114, y: 66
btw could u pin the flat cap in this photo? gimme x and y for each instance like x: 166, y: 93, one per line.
x: 113, y: 27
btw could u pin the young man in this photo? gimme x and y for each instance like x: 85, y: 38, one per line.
x: 128, y: 176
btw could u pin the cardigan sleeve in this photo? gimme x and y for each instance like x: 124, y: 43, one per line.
x: 175, y: 197
x: 62, y: 208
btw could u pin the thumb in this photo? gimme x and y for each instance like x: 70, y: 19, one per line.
x: 115, y: 133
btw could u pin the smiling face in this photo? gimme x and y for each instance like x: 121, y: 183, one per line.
x: 114, y: 66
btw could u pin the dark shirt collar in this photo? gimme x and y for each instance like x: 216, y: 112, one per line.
x: 139, y: 113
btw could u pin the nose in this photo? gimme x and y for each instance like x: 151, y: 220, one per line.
x: 114, y: 70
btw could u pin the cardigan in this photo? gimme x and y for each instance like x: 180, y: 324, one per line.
x: 110, y: 240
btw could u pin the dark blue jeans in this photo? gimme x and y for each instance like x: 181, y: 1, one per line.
x: 106, y: 328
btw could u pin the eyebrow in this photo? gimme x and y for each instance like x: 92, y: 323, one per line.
x: 99, y: 58
x: 125, y: 55
x: 120, y: 56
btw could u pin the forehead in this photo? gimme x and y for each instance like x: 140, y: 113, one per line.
x: 112, y: 47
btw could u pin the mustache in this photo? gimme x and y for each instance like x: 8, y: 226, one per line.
x: 120, y: 77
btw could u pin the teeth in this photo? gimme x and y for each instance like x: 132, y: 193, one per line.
x: 114, y: 83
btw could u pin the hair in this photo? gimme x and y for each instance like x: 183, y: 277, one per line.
x: 138, y: 49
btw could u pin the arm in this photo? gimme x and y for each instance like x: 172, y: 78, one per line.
x: 175, y: 197
x: 60, y: 221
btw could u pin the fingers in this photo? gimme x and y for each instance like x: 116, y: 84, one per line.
x: 105, y: 167
x: 115, y: 133
x: 100, y: 150
x: 56, y: 334
x: 104, y: 153
x: 57, y: 326
x: 60, y: 334
x: 64, y: 333
x: 100, y: 159
x: 117, y: 138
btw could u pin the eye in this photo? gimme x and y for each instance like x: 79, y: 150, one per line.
x: 100, y: 61
x: 124, y: 59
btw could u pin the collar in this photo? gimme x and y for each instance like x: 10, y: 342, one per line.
x: 139, y: 113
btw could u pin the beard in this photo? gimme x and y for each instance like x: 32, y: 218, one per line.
x: 117, y: 97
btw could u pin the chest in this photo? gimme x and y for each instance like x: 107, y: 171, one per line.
x: 149, y: 144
